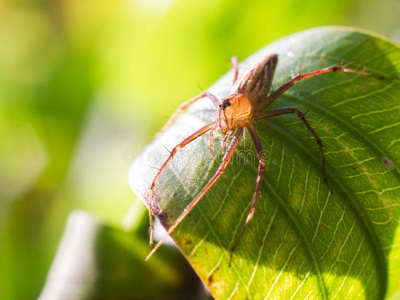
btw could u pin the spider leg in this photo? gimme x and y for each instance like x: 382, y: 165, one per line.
x: 212, y: 139
x: 226, y: 137
x: 186, y: 141
x: 185, y: 105
x: 261, y: 168
x: 320, y: 62
x: 292, y: 110
x: 271, y: 98
x: 210, y: 183
x: 235, y: 68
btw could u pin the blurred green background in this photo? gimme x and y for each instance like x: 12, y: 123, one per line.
x: 84, y: 86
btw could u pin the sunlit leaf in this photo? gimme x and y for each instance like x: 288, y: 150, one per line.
x: 303, y: 242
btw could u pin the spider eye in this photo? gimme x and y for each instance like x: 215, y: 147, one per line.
x: 225, y: 104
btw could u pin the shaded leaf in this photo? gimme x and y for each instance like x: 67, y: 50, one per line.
x: 97, y: 261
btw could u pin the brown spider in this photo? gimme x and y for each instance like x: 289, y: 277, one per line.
x: 247, y: 103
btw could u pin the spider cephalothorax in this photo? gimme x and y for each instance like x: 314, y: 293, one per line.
x: 235, y: 112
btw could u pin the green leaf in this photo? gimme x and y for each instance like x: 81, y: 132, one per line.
x: 303, y: 242
x: 98, y: 261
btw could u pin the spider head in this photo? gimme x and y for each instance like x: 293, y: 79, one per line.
x: 235, y: 111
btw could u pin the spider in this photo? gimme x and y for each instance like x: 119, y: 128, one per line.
x: 248, y: 99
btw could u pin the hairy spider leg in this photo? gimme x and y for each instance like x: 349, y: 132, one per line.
x: 292, y: 110
x: 212, y: 139
x: 320, y: 62
x: 185, y: 105
x: 186, y: 141
x: 235, y: 68
x: 225, y: 161
x: 225, y: 140
x: 261, y: 168
x: 342, y: 68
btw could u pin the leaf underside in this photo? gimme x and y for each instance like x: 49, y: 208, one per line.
x: 303, y: 242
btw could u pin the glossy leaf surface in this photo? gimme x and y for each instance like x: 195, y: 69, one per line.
x: 303, y: 242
